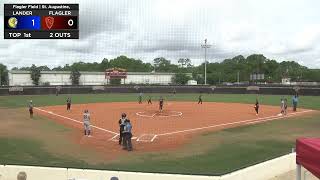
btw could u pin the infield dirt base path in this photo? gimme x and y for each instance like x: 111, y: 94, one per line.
x: 154, y: 130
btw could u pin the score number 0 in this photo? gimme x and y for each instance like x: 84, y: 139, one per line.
x: 70, y: 22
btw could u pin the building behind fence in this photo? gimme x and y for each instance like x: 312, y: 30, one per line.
x: 60, y: 78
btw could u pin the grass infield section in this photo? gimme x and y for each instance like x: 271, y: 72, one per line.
x: 308, y: 102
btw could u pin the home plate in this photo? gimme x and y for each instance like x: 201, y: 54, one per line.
x: 50, y: 112
x: 134, y: 138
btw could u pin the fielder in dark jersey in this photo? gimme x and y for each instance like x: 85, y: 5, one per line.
x: 161, y: 104
x: 200, y: 99
x: 149, y: 100
x: 68, y: 104
x: 140, y: 98
x: 30, y: 109
x: 256, y: 107
x: 285, y: 106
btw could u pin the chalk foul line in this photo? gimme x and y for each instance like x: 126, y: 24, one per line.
x: 237, y: 122
x: 270, y: 119
x: 74, y: 120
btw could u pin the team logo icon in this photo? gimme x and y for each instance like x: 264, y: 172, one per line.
x: 13, y: 22
x: 49, y: 22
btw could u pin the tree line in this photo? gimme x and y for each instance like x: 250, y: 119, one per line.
x: 238, y: 68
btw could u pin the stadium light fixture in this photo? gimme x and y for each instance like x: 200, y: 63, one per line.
x: 205, y: 46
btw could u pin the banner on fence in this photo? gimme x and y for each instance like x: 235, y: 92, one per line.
x: 15, y: 89
x: 98, y: 88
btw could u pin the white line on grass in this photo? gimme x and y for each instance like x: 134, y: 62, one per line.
x: 49, y: 112
x: 231, y: 123
x: 270, y: 119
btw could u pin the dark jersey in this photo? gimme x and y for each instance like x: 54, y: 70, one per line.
x: 256, y: 105
x: 122, y: 123
x: 161, y: 102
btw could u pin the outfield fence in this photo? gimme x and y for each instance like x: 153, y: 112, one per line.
x: 42, y: 90
x: 262, y: 171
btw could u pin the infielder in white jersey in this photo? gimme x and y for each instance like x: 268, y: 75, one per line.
x: 86, y: 123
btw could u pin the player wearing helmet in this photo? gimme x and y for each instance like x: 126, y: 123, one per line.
x: 86, y: 123
x: 121, y: 125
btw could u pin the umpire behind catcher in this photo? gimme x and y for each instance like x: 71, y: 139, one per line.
x: 127, y: 135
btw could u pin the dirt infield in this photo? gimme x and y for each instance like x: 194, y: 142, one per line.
x: 154, y: 130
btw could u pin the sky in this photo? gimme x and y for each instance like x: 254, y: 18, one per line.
x: 147, y: 29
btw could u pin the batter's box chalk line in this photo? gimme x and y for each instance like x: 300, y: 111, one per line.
x: 159, y: 114
x: 116, y: 137
x: 147, y: 138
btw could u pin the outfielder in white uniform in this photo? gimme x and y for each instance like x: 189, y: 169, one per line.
x: 86, y: 123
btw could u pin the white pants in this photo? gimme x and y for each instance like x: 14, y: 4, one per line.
x: 87, y: 126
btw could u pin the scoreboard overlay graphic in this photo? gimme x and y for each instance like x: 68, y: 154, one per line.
x: 41, y: 21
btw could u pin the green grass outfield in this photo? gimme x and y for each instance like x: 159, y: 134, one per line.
x: 310, y: 102
x: 212, y: 153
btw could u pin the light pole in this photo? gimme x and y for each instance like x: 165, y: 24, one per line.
x: 0, y: 77
x: 205, y: 46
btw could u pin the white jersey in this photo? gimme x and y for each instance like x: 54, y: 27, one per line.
x: 282, y: 104
x: 86, y: 117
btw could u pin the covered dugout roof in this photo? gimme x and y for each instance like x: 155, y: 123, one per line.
x: 308, y: 154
